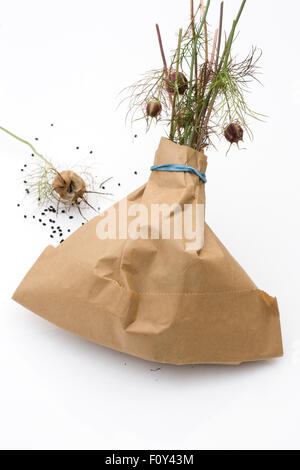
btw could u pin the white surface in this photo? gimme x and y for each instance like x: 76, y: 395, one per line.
x: 64, y: 62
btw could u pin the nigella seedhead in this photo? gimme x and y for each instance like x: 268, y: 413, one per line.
x: 176, y: 82
x: 153, y: 108
x: 69, y: 186
x: 234, y: 133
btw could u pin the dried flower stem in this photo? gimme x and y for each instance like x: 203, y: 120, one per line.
x: 187, y: 129
x: 213, y: 50
x: 202, y: 7
x: 193, y: 30
x: 190, y: 25
x: 220, y: 33
x: 173, y: 123
x: 231, y: 36
x: 30, y: 146
x: 206, y: 42
x: 162, y: 50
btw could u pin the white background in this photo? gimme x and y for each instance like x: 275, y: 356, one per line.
x: 64, y: 62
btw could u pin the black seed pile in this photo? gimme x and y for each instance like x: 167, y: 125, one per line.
x: 50, y: 223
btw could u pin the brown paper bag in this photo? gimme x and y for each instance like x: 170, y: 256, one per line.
x: 158, y: 299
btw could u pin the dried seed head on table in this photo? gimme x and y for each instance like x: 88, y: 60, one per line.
x: 54, y: 189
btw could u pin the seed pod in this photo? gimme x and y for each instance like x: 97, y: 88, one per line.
x: 69, y: 186
x: 234, y: 133
x: 153, y: 108
x: 176, y: 81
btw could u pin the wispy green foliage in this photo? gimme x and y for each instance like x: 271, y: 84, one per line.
x: 216, y: 90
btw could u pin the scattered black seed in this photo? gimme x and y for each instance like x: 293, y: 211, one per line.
x: 51, y: 236
x: 119, y: 184
x: 25, y: 216
x: 77, y: 148
x: 71, y: 217
x: 43, y: 213
x: 18, y: 205
x: 54, y: 231
x: 103, y: 187
x: 135, y: 136
x: 58, y: 227
x: 60, y: 234
x: 36, y: 138
x: 91, y: 151
x: 63, y: 212
x: 25, y: 166
x: 40, y: 220
x: 52, y: 125
x: 44, y: 225
x: 82, y: 223
x: 22, y: 169
x: 69, y: 230
x: 52, y: 228
x: 32, y: 154
x: 135, y: 172
x: 33, y: 216
x: 27, y: 191
x: 39, y: 199
x: 61, y: 241
x: 25, y: 182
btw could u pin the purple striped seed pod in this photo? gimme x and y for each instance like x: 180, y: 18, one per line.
x: 153, y: 108
x: 176, y: 81
x: 234, y: 133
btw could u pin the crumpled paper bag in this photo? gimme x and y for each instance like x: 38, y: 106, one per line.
x: 157, y: 299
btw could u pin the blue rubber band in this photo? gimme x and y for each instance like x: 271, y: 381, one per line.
x: 174, y: 167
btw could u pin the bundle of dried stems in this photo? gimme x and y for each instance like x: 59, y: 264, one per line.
x: 201, y: 93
